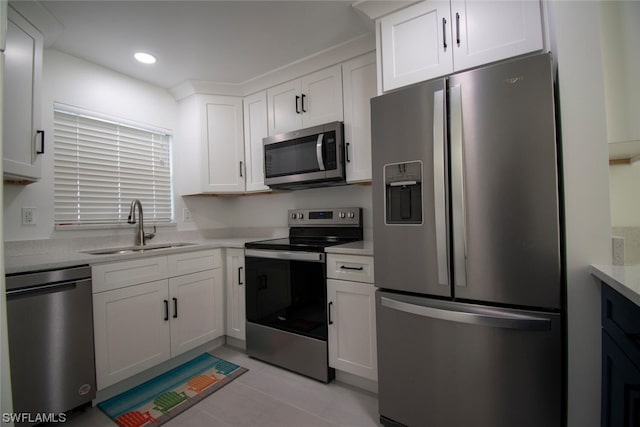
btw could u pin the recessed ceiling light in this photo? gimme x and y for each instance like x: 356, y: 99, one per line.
x: 145, y: 58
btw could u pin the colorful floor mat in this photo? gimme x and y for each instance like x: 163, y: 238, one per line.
x: 158, y: 400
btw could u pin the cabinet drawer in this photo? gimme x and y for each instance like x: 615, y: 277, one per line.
x: 192, y: 262
x: 116, y: 275
x: 621, y: 320
x: 356, y: 268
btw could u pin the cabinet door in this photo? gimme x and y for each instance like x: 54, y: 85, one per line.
x: 284, y: 102
x: 235, y: 294
x: 131, y: 331
x: 359, y: 86
x: 321, y: 98
x: 621, y: 62
x: 416, y: 44
x: 352, y: 328
x: 22, y: 142
x: 620, y: 387
x: 488, y: 31
x: 224, y: 156
x: 196, y: 309
x: 255, y: 128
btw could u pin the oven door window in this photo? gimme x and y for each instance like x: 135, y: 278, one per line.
x: 287, y: 295
x: 302, y: 155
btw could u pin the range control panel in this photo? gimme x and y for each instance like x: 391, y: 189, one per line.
x: 334, y: 217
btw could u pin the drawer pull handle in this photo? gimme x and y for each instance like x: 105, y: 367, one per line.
x: 345, y: 267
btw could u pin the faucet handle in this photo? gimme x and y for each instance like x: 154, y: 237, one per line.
x: 150, y: 235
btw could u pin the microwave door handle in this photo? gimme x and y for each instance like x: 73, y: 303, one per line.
x: 319, y: 155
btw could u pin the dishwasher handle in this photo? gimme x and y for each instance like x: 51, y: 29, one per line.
x: 48, y: 288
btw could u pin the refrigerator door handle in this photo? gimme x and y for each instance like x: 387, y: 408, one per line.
x: 439, y: 188
x: 459, y: 215
x: 497, y: 319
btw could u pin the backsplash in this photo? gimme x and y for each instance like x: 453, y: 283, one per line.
x: 626, y: 245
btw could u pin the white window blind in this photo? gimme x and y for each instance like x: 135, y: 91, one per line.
x: 101, y: 166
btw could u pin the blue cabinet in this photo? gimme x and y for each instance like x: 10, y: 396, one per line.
x: 620, y: 360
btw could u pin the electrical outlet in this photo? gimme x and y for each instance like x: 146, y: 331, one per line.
x: 28, y: 216
x: 186, y: 215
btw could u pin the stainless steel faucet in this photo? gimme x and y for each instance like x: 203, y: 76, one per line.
x: 141, y: 237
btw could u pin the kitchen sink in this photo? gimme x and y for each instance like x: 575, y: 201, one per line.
x: 136, y: 249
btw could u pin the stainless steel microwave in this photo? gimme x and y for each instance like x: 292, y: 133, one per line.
x: 311, y: 157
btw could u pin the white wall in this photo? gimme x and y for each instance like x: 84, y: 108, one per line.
x: 625, y: 198
x: 81, y: 84
x: 6, y: 400
x: 270, y: 210
x: 576, y: 29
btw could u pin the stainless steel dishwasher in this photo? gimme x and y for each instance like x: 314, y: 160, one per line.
x: 50, y: 322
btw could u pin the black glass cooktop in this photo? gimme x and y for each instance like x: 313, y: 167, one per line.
x: 299, y: 244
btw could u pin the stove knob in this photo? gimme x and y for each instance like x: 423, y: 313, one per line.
x: 351, y: 215
x: 342, y: 215
x: 300, y: 215
x: 294, y: 215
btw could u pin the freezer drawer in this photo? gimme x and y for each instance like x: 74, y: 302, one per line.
x: 451, y: 364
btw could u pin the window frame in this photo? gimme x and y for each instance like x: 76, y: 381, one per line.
x: 118, y: 220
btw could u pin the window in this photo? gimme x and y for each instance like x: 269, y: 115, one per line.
x: 101, y: 166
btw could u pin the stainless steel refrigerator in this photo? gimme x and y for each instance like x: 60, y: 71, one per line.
x: 467, y: 237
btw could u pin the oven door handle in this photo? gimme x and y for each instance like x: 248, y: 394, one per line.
x: 285, y: 255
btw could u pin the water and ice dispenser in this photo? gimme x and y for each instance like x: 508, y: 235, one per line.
x: 403, y: 193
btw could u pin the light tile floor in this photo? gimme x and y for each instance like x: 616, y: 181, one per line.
x: 267, y: 396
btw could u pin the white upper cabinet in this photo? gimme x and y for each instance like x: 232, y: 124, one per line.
x: 23, y: 141
x: 255, y: 128
x: 224, y: 144
x: 284, y: 107
x: 311, y: 100
x: 322, y: 97
x: 492, y: 30
x: 415, y: 44
x: 359, y: 85
x: 432, y: 39
x: 621, y: 68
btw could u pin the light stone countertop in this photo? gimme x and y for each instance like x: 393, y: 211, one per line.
x: 363, y: 247
x: 624, y: 279
x: 46, y: 257
x: 49, y: 254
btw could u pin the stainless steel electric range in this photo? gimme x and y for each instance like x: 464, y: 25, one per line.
x: 286, y: 290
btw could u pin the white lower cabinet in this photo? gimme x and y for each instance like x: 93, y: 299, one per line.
x: 193, y: 321
x: 235, y: 294
x: 352, y: 315
x: 131, y: 331
x: 139, y: 324
x: 352, y: 328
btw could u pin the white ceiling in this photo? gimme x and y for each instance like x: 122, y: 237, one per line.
x: 218, y: 41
